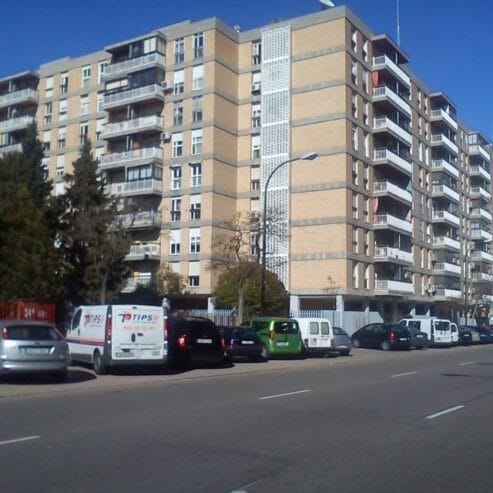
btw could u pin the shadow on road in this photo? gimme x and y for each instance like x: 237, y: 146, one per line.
x: 73, y: 376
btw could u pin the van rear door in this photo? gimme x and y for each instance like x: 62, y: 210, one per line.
x: 137, y: 333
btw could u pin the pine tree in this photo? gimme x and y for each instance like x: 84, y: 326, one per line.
x: 93, y: 246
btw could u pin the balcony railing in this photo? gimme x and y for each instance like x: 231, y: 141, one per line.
x: 131, y: 126
x: 482, y: 276
x: 387, y: 93
x: 142, y: 219
x: 446, y: 216
x: 442, y: 139
x: 447, y: 268
x: 385, y: 123
x: 393, y: 189
x: 445, y: 190
x: 133, y: 96
x: 480, y: 192
x: 393, y: 286
x: 448, y: 293
x: 443, y: 165
x: 476, y: 170
x: 10, y: 148
x: 481, y: 234
x: 443, y: 115
x: 16, y: 123
x: 478, y: 149
x: 142, y: 280
x: 392, y: 222
x: 479, y: 212
x: 121, y: 158
x: 390, y: 157
x: 137, y: 187
x: 143, y: 251
x: 393, y: 253
x: 445, y: 241
x: 479, y: 255
x: 114, y: 70
x: 383, y: 61
x: 18, y: 97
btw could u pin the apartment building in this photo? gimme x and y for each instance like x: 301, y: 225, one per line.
x: 393, y: 216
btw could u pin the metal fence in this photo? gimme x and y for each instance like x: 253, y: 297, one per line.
x: 219, y: 317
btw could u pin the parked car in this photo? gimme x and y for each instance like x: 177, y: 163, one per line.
x: 383, y: 336
x: 485, y: 335
x: 477, y: 335
x: 280, y: 336
x: 438, y: 330
x: 32, y: 347
x: 317, y: 335
x: 419, y: 339
x: 194, y: 341
x: 342, y: 341
x: 465, y: 336
x: 242, y: 342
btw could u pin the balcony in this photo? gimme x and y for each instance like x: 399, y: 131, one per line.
x: 383, y: 188
x: 481, y: 277
x: 481, y: 234
x: 143, y: 124
x: 145, y: 251
x: 480, y: 192
x: 476, y: 149
x: 386, y: 124
x: 480, y: 213
x: 10, y: 148
x: 445, y: 217
x: 16, y: 123
x: 443, y: 140
x: 387, y: 221
x: 386, y: 156
x: 18, y: 97
x: 116, y: 70
x: 384, y: 93
x: 133, y: 96
x: 383, y: 62
x: 446, y: 242
x: 142, y: 280
x: 149, y: 186
x: 448, y: 293
x: 477, y: 170
x: 135, y: 157
x: 446, y: 268
x: 443, y: 165
x: 140, y: 220
x: 389, y: 287
x: 480, y: 256
x: 390, y: 253
x: 445, y: 191
x: 442, y: 115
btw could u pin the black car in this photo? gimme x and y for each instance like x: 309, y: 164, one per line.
x: 194, y: 341
x: 242, y: 342
x: 383, y: 336
x: 465, y: 336
x: 485, y: 335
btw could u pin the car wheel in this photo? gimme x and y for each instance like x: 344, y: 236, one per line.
x: 264, y: 355
x: 419, y: 347
x: 344, y: 353
x: 61, y: 376
x: 99, y: 366
x: 385, y: 346
x: 356, y: 343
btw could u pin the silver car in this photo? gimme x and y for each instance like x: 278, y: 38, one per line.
x: 32, y: 347
x: 342, y: 341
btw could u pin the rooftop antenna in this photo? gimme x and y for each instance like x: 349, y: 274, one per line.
x: 326, y: 4
x: 237, y: 28
x: 398, y: 25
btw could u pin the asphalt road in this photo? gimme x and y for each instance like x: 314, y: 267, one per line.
x: 417, y: 421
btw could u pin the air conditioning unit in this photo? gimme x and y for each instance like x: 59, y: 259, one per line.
x: 165, y: 136
x: 256, y: 87
x: 166, y: 85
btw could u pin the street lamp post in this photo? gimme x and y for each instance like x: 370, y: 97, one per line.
x: 306, y: 157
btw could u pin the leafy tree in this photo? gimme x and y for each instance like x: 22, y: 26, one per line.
x: 168, y: 282
x: 93, y: 245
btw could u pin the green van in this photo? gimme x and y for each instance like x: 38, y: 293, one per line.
x: 280, y: 336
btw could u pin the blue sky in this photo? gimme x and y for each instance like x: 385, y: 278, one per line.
x: 449, y: 42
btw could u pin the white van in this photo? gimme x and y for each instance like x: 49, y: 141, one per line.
x: 438, y: 330
x: 317, y: 335
x: 117, y: 335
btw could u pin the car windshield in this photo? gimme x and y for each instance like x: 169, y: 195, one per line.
x: 244, y: 332
x: 287, y: 327
x: 31, y: 333
x: 339, y: 332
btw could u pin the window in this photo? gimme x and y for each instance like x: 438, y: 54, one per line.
x: 254, y: 247
x: 86, y: 75
x: 62, y: 132
x: 197, y: 78
x: 195, y: 207
x: 64, y: 83
x: 198, y: 45
x: 178, y: 113
x: 354, y: 72
x: 139, y: 173
x: 62, y: 110
x: 355, y: 172
x: 256, y: 82
x: 366, y: 80
x: 354, y: 136
x: 174, y: 241
x: 366, y: 143
x: 177, y: 144
x: 366, y: 279
x: 175, y: 177
x: 366, y: 176
x: 365, y: 113
x: 179, y: 50
x: 60, y: 167
x: 355, y: 205
x: 196, y: 141
x: 354, y: 40
x: 179, y: 82
x: 197, y: 109
x: 100, y: 103
x: 365, y: 50
x: 367, y: 242
x: 46, y: 140
x: 49, y: 87
x: 194, y: 240
x: 84, y: 105
x: 354, y: 105
x: 195, y: 174
x: 101, y: 70
x: 256, y: 115
x: 255, y: 178
x: 355, y: 240
x: 355, y: 275
x: 255, y: 146
x: 99, y: 129
x: 83, y: 133
x: 256, y: 53
x: 175, y: 209
x: 193, y: 274
x: 366, y: 209
x: 47, y: 115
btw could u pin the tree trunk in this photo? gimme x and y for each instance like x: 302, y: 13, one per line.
x: 241, y: 303
x: 102, y: 295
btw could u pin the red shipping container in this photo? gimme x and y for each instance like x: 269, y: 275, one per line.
x: 28, y: 310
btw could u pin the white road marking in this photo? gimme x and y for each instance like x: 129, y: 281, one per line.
x: 16, y: 440
x: 404, y: 374
x: 466, y: 363
x: 283, y: 395
x: 445, y: 411
x: 242, y: 488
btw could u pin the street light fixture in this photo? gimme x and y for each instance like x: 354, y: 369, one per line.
x: 310, y: 156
